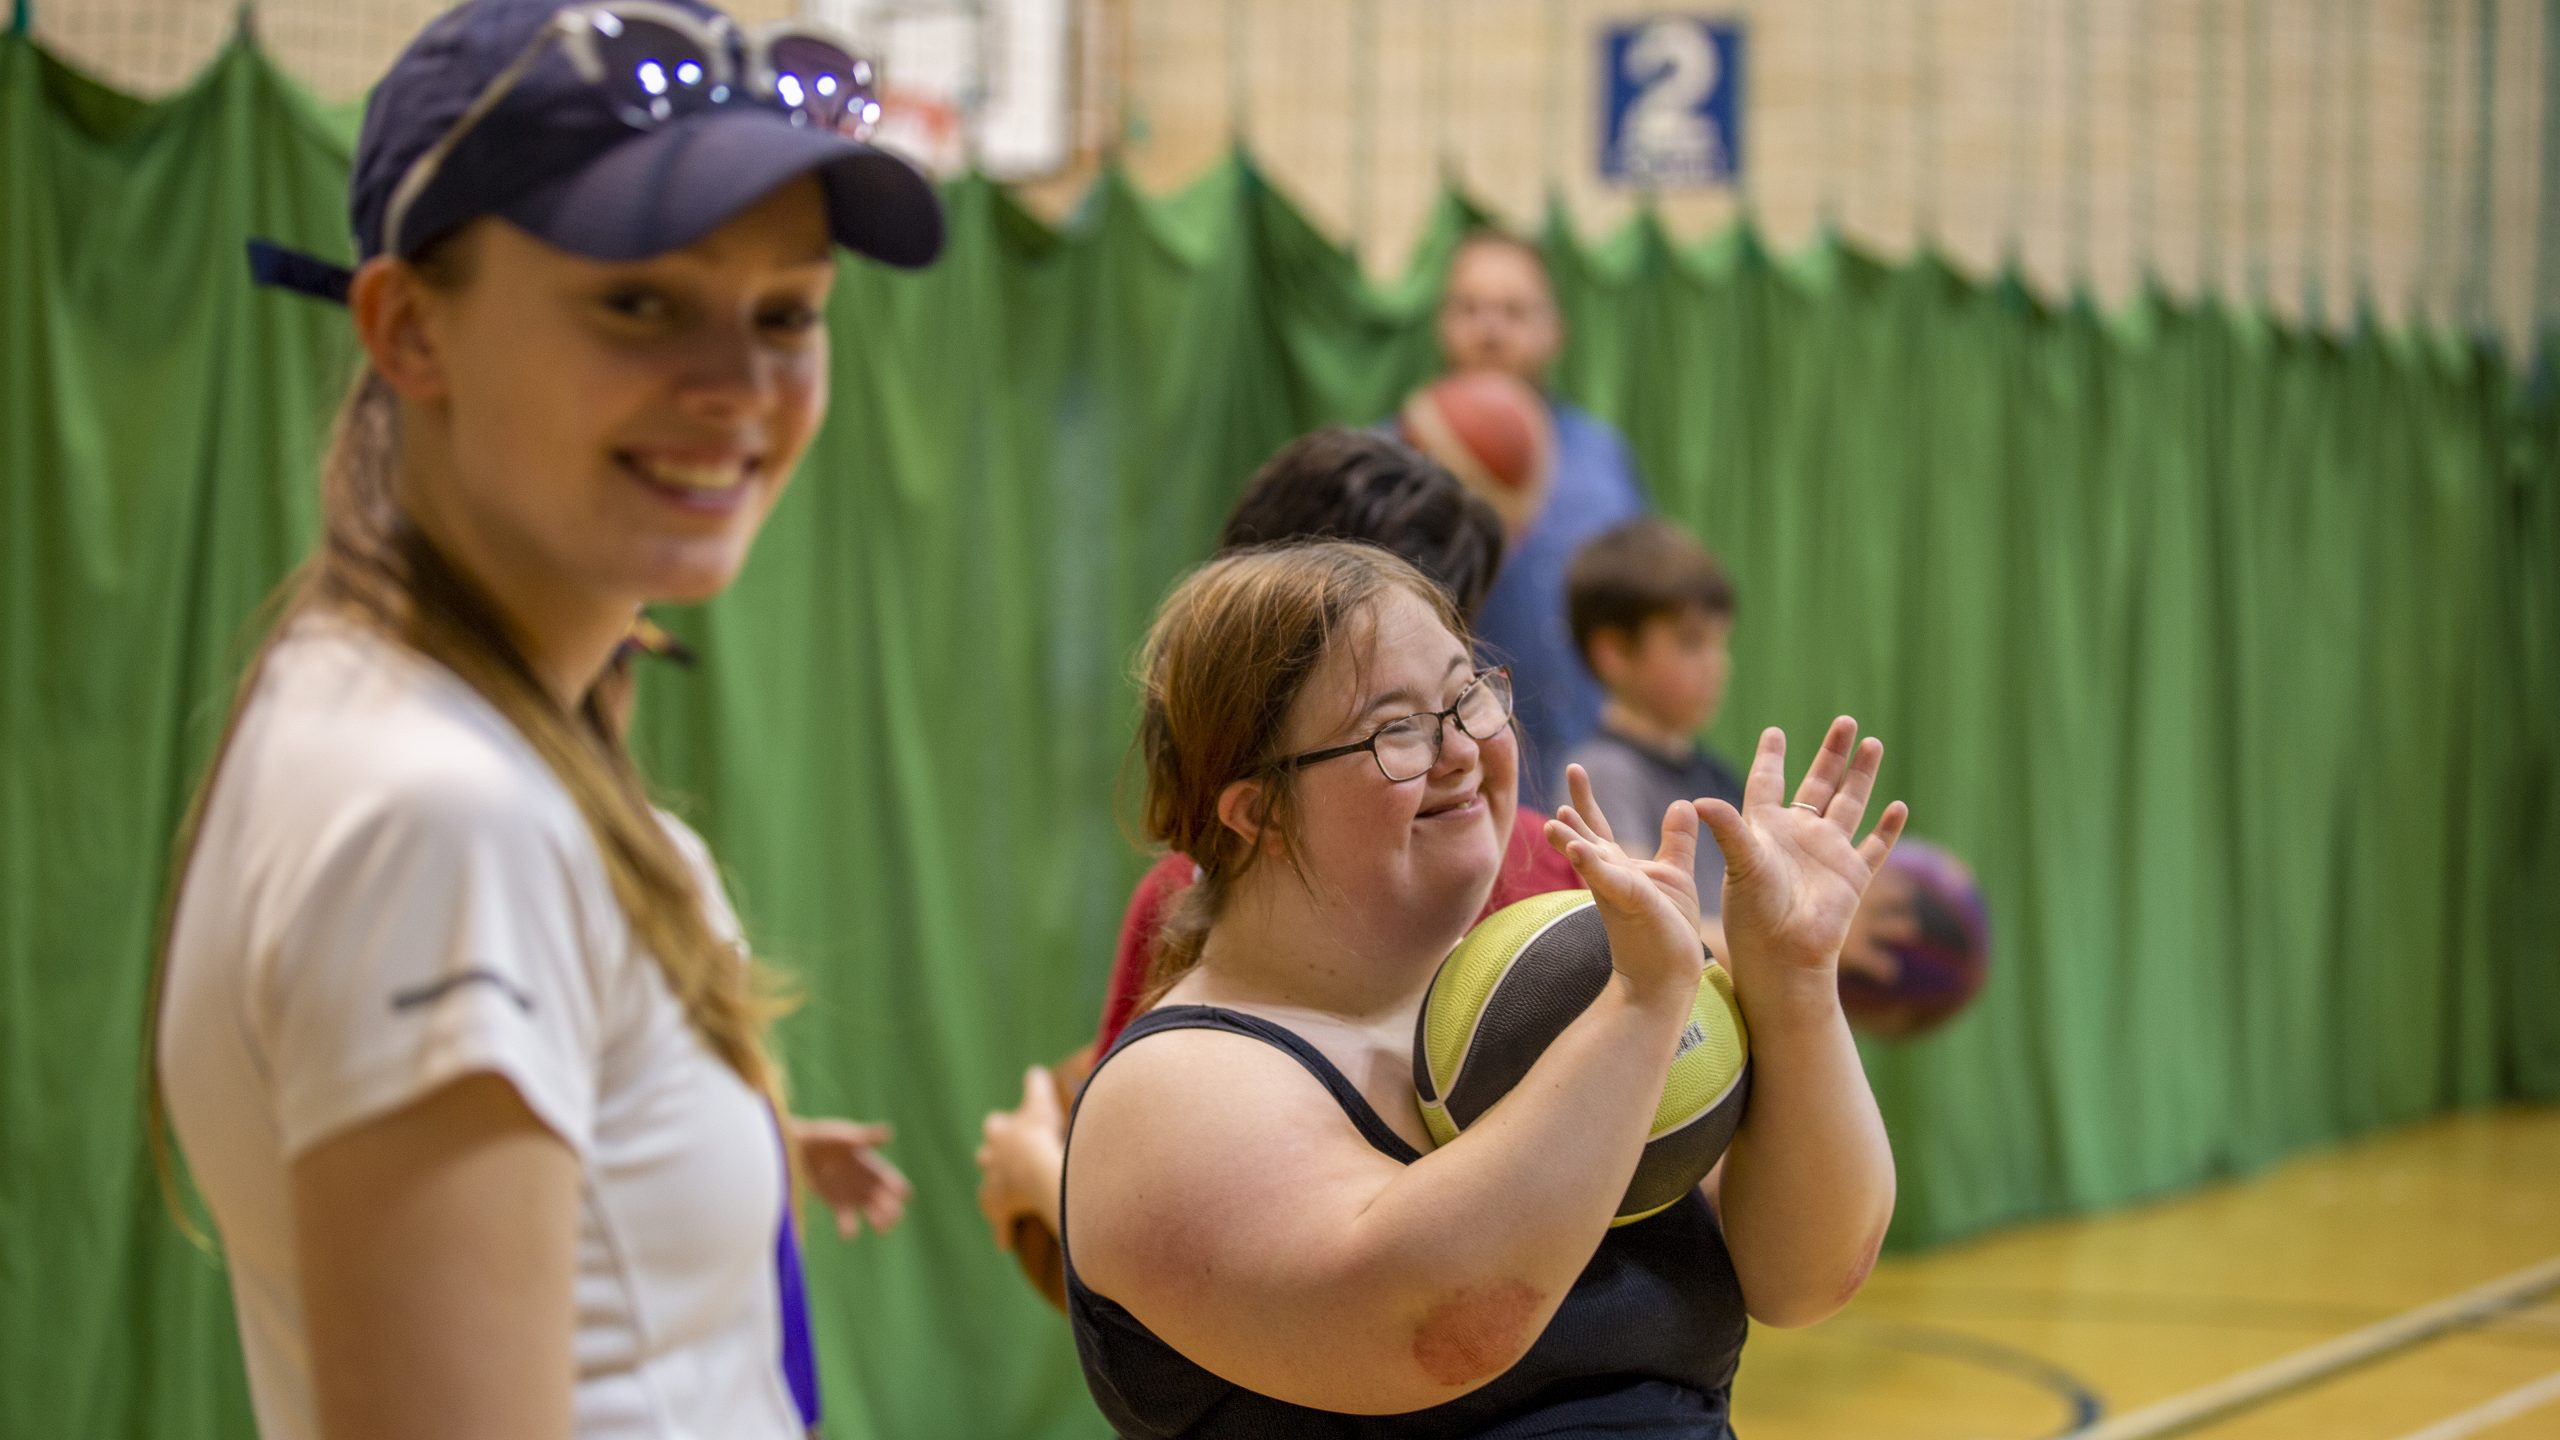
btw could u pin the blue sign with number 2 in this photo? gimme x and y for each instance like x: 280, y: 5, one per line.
x: 1675, y: 101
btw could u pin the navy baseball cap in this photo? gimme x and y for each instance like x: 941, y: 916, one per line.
x: 556, y: 157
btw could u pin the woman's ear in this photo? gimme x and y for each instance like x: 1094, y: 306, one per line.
x: 1245, y: 808
x: 390, y: 303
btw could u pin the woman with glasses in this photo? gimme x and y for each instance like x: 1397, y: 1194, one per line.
x: 1261, y: 1238
x: 1332, y: 483
x: 456, y: 1031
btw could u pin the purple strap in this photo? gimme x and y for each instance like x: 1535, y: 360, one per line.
x: 799, y: 1359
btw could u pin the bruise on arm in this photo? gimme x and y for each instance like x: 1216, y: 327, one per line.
x: 1476, y: 1334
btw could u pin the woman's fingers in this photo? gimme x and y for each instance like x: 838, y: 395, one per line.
x: 1586, y: 861
x: 1679, y: 845
x: 1606, y: 879
x: 1767, y: 782
x: 1040, y: 1098
x: 1830, y: 765
x: 1732, y: 834
x: 1577, y: 782
x: 1849, y: 806
x: 884, y: 1213
x: 831, y: 1135
x: 1879, y: 845
x: 1579, y: 824
x: 899, y: 1186
x: 885, y: 1196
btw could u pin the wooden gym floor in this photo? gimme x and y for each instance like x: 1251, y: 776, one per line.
x: 2408, y: 1285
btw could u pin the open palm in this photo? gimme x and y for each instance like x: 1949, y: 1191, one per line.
x: 842, y: 1163
x: 1650, y: 907
x: 1795, y: 870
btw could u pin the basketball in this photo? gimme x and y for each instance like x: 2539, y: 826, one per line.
x: 1512, y: 986
x: 1939, y: 944
x: 1492, y: 432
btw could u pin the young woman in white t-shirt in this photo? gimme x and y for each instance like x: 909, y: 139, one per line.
x: 456, y: 1031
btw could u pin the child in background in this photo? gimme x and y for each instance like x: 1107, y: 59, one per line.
x: 1652, y: 615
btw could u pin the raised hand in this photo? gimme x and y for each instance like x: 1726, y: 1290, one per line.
x: 842, y: 1163
x: 1794, y: 872
x: 1650, y: 907
x: 1020, y: 1155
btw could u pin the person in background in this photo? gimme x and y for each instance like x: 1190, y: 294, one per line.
x: 1499, y: 313
x: 1652, y: 615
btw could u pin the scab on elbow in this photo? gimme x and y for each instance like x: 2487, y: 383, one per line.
x: 1859, y: 1272
x: 1811, y: 1306
x: 1813, y: 1300
x: 1476, y: 1334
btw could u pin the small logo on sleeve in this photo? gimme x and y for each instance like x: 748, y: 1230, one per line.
x: 430, y: 994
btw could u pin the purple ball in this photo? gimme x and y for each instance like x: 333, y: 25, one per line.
x: 1931, y: 932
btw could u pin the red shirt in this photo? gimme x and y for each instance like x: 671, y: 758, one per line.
x: 1530, y: 866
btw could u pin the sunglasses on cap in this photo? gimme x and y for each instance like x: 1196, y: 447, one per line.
x: 655, y: 62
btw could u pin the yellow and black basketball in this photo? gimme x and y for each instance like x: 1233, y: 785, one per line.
x: 1508, y: 991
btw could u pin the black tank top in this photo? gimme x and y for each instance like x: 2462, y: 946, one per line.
x: 1644, y: 1345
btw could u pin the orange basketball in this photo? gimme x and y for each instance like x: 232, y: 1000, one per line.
x: 1492, y: 432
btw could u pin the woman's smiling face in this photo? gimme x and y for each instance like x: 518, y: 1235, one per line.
x: 1413, y: 856
x: 622, y: 429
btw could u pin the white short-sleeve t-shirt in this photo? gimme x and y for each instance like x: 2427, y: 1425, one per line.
x: 390, y: 891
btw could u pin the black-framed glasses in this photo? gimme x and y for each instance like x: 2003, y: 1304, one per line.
x: 655, y: 61
x: 1407, y: 748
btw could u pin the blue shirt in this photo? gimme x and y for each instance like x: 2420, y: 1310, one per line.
x: 1523, y: 622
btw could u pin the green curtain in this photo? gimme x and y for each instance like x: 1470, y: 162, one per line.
x: 2228, y: 654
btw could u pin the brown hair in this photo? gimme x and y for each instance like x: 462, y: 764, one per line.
x: 373, y: 566
x: 1635, y: 572
x: 1230, y: 652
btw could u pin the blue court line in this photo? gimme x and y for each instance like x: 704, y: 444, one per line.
x: 2084, y: 1402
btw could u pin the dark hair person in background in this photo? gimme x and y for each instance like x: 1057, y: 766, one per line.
x: 457, y: 1031
x: 1343, y: 484
x: 1499, y: 313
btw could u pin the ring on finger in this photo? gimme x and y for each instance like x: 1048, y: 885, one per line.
x: 1804, y: 805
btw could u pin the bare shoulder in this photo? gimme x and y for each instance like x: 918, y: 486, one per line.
x: 1210, y: 1094
x: 1177, y: 1143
